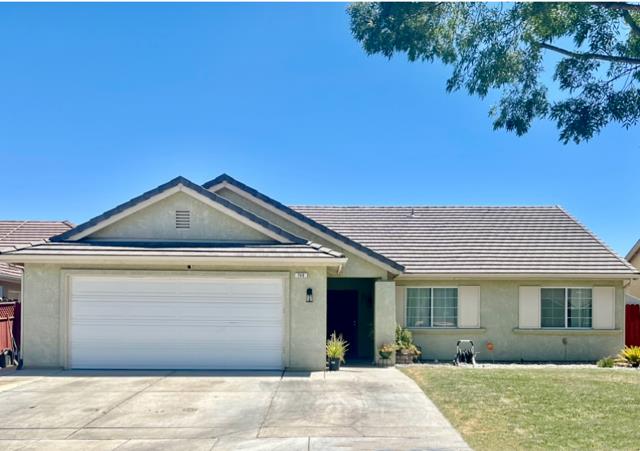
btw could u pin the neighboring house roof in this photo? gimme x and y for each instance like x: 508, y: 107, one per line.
x: 176, y: 250
x: 177, y: 182
x: 475, y: 240
x: 634, y: 250
x: 349, y: 242
x: 22, y: 233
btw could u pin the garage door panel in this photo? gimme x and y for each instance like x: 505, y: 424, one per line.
x: 191, y: 322
x: 176, y: 311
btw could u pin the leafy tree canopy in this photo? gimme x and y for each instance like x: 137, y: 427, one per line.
x: 503, y: 47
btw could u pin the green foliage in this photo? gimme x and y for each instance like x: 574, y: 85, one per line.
x: 404, y: 337
x: 606, y: 362
x: 630, y: 355
x: 506, y: 47
x: 337, y: 347
x: 404, y: 341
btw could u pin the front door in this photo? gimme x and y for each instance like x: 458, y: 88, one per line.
x: 342, y: 317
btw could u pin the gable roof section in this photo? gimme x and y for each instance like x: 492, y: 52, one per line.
x: 22, y: 233
x: 175, y: 185
x: 310, y: 222
x: 634, y: 250
x: 477, y: 241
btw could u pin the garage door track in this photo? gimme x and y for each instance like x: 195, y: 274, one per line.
x: 355, y: 408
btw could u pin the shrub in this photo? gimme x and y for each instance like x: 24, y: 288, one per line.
x: 606, y: 362
x: 630, y: 355
x: 405, y: 345
x: 337, y: 347
x: 404, y: 337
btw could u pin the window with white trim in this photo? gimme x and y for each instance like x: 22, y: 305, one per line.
x: 432, y: 307
x: 566, y: 307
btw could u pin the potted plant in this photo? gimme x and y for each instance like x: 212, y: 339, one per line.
x: 336, y: 350
x: 386, y: 350
x: 407, y: 351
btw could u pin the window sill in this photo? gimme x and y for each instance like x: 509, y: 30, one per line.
x: 447, y: 330
x: 567, y: 331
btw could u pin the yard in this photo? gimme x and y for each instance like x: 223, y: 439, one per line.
x: 525, y: 407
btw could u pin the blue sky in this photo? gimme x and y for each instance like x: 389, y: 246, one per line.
x: 100, y: 102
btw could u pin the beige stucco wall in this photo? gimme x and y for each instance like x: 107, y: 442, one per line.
x: 634, y: 287
x: 157, y: 222
x: 499, y: 325
x: 44, y: 326
x: 356, y: 267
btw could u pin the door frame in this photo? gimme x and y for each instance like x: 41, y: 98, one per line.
x: 64, y: 342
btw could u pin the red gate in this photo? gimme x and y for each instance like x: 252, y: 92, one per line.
x: 632, y: 325
x: 9, y: 325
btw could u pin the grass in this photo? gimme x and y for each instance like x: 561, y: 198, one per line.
x: 534, y: 408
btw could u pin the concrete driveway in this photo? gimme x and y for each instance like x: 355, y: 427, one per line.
x: 355, y: 408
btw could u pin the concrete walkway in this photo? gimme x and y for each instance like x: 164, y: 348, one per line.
x: 355, y: 408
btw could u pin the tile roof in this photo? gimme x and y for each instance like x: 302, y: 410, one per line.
x: 22, y: 233
x: 475, y: 240
x: 167, y: 249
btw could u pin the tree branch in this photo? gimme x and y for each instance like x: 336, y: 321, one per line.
x: 590, y: 56
x: 626, y: 15
x: 618, y: 5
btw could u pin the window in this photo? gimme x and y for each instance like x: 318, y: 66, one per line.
x: 432, y: 307
x: 566, y: 307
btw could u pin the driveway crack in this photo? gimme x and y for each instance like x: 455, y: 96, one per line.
x: 266, y: 414
x: 122, y: 402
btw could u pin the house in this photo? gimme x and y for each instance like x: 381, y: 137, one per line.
x: 223, y: 276
x: 633, y: 290
x: 21, y: 233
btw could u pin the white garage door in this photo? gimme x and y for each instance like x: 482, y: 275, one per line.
x: 163, y: 323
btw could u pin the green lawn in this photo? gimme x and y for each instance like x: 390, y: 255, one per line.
x: 505, y: 408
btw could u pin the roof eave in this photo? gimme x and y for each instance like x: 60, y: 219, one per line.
x: 163, y: 260
x: 517, y: 276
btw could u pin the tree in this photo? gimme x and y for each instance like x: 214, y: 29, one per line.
x: 506, y: 46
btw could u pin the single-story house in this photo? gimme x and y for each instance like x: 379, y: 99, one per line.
x: 633, y: 290
x: 22, y: 233
x: 222, y: 276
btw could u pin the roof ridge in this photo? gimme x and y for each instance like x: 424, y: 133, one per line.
x: 597, y: 239
x: 428, y: 206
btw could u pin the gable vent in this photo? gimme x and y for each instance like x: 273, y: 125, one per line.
x: 183, y: 219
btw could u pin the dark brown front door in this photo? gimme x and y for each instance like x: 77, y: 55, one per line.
x: 342, y: 317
